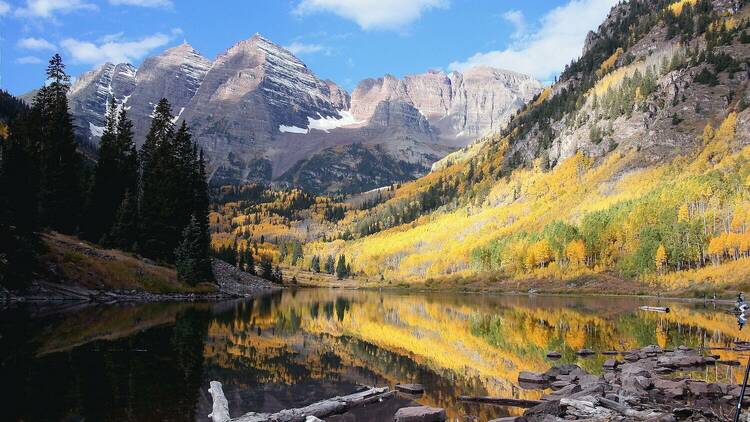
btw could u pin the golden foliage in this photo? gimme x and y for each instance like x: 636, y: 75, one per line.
x: 676, y: 7
x: 608, y: 64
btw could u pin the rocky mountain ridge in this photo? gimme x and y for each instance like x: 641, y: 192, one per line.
x: 258, y: 111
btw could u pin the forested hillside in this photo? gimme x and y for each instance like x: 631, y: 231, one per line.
x: 634, y: 163
x: 152, y: 202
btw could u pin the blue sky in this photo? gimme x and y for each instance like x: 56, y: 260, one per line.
x: 341, y: 40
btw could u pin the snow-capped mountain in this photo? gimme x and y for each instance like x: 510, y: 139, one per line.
x: 261, y: 114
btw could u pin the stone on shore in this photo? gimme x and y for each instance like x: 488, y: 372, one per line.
x: 410, y: 388
x: 532, y: 378
x: 585, y: 352
x: 420, y: 414
x: 554, y: 355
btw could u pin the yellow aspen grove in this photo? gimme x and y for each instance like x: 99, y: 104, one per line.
x: 716, y: 248
x: 661, y: 257
x: 575, y: 252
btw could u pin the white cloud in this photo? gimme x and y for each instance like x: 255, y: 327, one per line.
x: 35, y: 44
x: 372, y: 14
x: 28, y: 60
x: 545, y: 52
x: 4, y: 8
x: 298, y: 48
x: 47, y: 8
x: 142, y: 3
x: 516, y: 18
x: 114, y: 51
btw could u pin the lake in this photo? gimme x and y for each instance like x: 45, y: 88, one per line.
x: 153, y: 362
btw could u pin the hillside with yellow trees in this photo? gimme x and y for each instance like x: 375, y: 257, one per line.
x: 634, y: 165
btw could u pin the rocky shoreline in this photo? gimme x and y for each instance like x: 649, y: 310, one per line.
x: 647, y: 384
x: 231, y: 283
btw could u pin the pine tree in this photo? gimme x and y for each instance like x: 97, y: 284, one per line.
x: 200, y: 210
x: 18, y: 195
x: 266, y: 268
x: 159, y: 231
x: 60, y: 163
x: 341, y: 272
x: 250, y: 260
x: 115, y: 173
x: 278, y: 277
x: 330, y: 266
x: 315, y: 264
x: 189, y: 254
x: 124, y: 232
x: 296, y: 253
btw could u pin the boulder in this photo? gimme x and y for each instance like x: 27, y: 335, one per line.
x: 420, y: 414
x: 532, y: 378
x: 585, y: 352
x: 610, y: 364
x: 410, y: 388
x: 554, y: 355
x: 697, y: 388
x: 610, y: 352
x: 681, y: 360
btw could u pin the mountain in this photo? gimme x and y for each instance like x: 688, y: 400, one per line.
x: 634, y: 164
x: 261, y: 114
x: 462, y: 106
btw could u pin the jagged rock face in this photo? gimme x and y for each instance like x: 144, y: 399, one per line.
x: 467, y: 105
x: 250, y: 92
x: 257, y: 111
x: 176, y: 75
x: 90, y: 94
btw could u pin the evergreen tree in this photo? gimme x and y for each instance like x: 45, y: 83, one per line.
x: 200, y: 209
x: 241, y: 260
x: 341, y: 272
x: 278, y: 277
x: 18, y: 195
x: 315, y: 264
x: 189, y: 254
x: 60, y: 163
x: 296, y: 253
x: 159, y: 230
x: 115, y: 173
x: 266, y: 268
x: 330, y: 265
x: 124, y: 232
x: 250, y: 260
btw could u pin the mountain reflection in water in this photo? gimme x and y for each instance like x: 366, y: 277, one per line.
x: 154, y: 361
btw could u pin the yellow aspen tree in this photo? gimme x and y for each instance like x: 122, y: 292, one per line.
x: 575, y: 252
x: 661, y: 257
x: 683, y: 214
x: 708, y: 133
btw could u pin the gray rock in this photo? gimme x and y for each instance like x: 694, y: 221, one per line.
x: 410, y: 388
x: 420, y: 414
x: 532, y: 378
x: 554, y: 355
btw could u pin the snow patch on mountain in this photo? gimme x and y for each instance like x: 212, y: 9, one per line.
x: 323, y: 123
x: 329, y: 123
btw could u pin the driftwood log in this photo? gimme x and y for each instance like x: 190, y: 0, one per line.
x: 501, y: 401
x: 321, y: 409
x: 663, y: 309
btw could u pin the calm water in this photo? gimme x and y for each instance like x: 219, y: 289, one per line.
x: 154, y: 362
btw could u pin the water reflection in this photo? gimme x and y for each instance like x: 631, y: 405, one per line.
x: 154, y: 362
